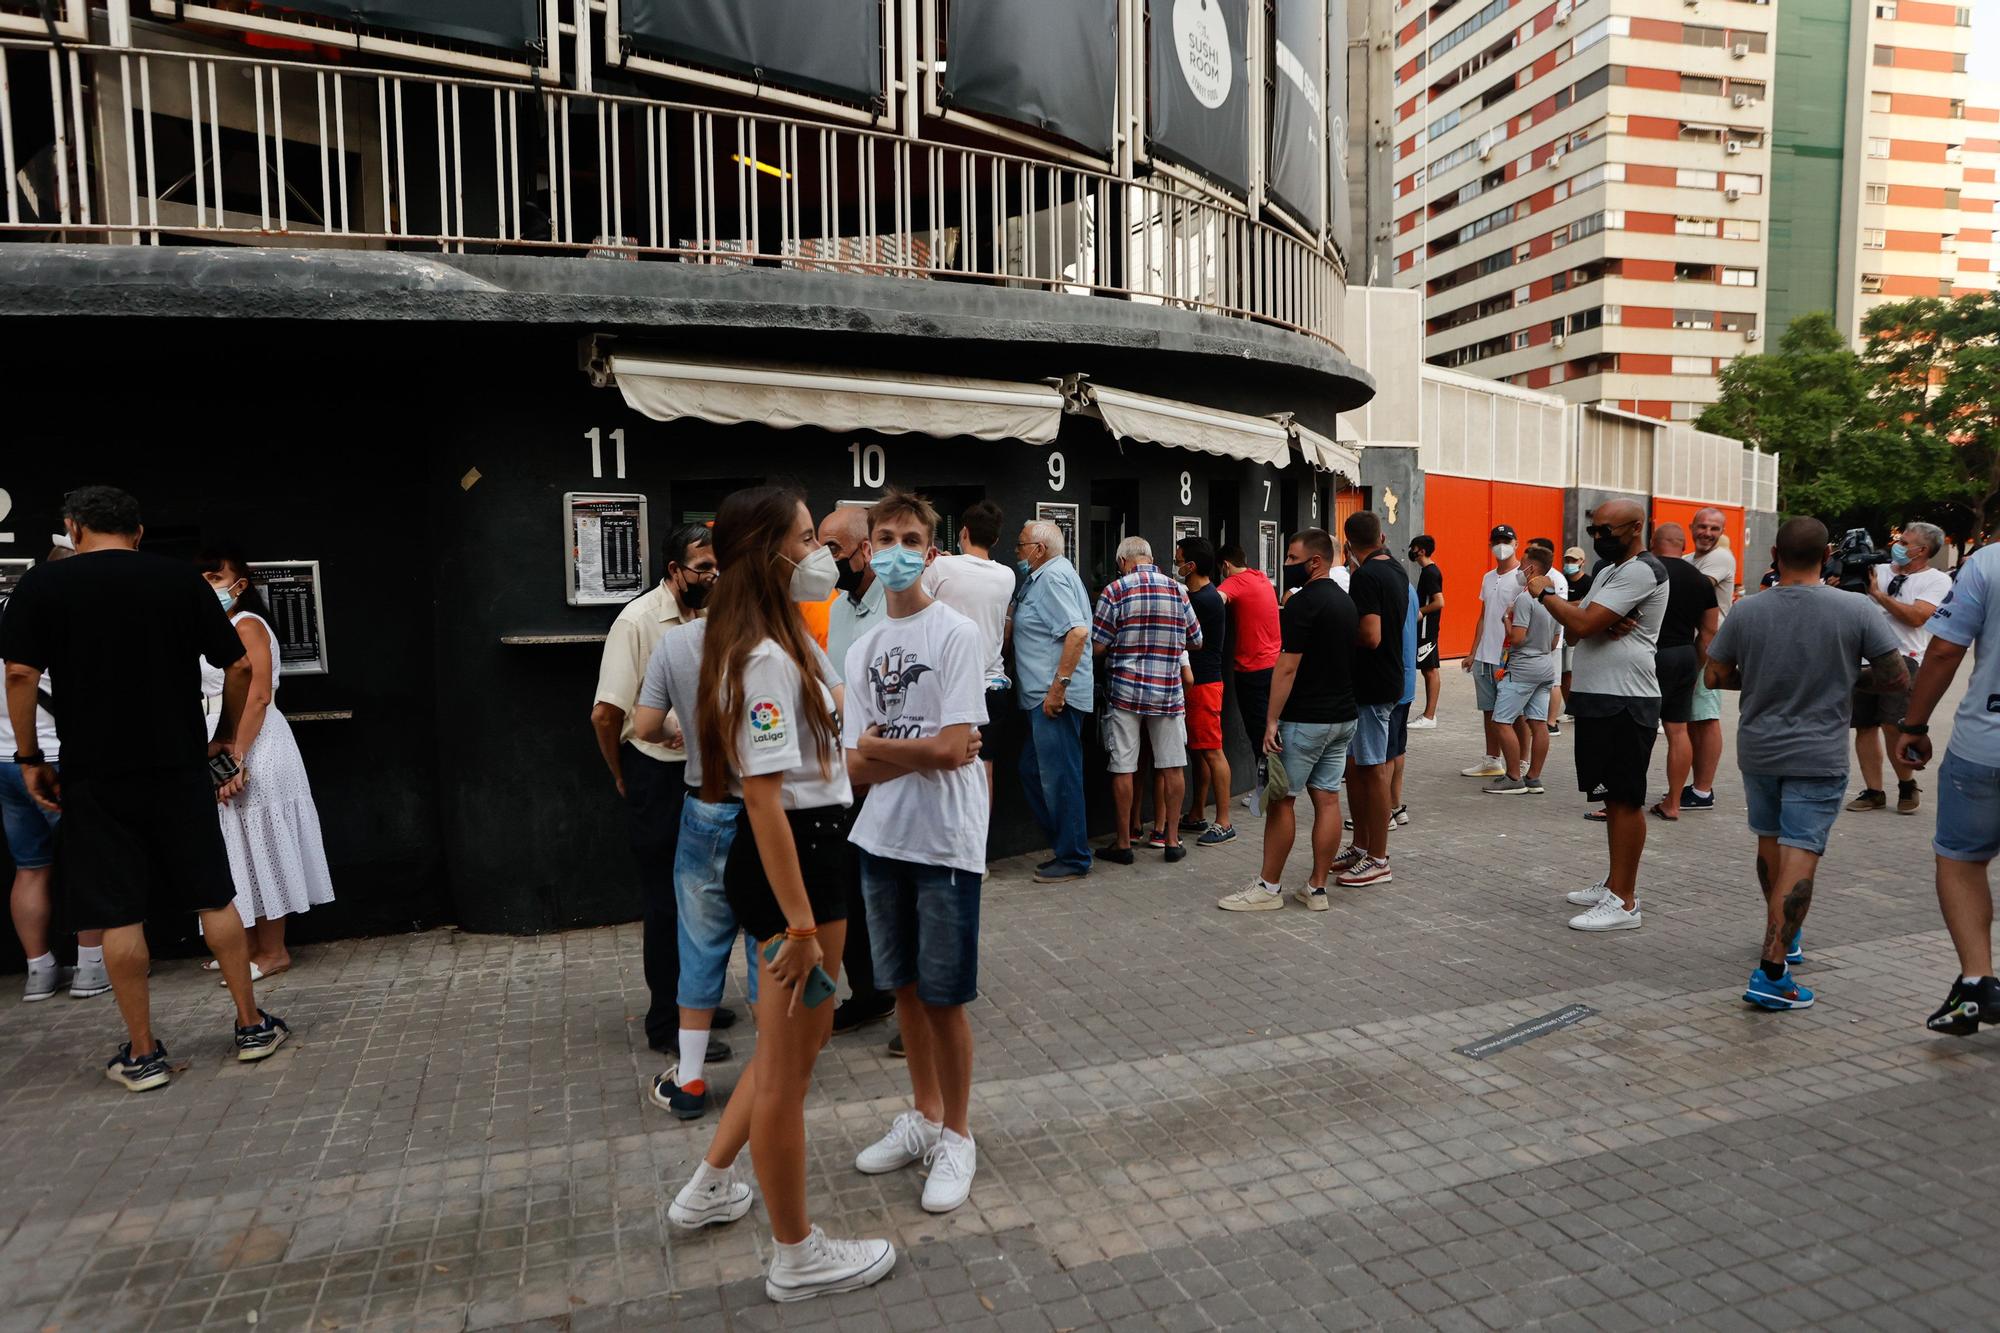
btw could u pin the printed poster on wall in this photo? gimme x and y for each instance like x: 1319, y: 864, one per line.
x: 1064, y: 517
x: 1185, y: 526
x: 1268, y: 556
x: 1297, y: 150
x: 1198, y: 88
x: 291, y: 588
x: 606, y: 560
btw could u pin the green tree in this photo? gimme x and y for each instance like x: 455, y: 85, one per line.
x: 1932, y: 366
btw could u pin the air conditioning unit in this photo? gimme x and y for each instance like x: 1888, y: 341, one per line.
x: 1732, y: 195
x: 1740, y: 99
x: 1563, y: 12
x: 1739, y: 51
x: 1558, y: 341
x: 1555, y: 160
x: 1752, y: 335
x: 1485, y: 150
x: 1733, y: 147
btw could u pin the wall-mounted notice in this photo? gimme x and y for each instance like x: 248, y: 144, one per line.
x: 291, y: 588
x: 1064, y: 517
x: 605, y: 561
x: 1185, y: 526
x: 1267, y: 550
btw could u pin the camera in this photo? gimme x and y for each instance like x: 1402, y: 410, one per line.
x: 1854, y: 560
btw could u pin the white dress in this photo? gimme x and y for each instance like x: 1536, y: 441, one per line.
x: 271, y: 829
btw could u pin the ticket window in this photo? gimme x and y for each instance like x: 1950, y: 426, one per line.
x: 1114, y: 515
x: 1224, y: 515
x: 951, y: 502
x: 697, y: 501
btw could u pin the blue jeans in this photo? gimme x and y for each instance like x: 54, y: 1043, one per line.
x: 707, y: 925
x: 1314, y: 755
x: 1052, y: 777
x: 1798, y: 812
x: 30, y: 830
x: 1968, y: 810
x: 923, y: 922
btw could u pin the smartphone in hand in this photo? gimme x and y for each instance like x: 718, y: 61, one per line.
x: 222, y: 769
x: 819, y: 987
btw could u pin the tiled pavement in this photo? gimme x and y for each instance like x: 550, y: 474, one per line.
x: 1187, y: 1119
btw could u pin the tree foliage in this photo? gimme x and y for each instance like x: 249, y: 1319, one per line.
x: 1909, y: 426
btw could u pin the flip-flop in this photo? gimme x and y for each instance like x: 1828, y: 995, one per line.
x: 1595, y: 816
x: 1659, y: 811
x: 211, y: 966
x: 258, y: 974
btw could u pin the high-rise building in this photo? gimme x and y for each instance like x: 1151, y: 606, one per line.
x: 1882, y: 159
x: 1580, y: 191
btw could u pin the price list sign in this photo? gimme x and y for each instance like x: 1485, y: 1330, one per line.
x: 605, y: 564
x: 291, y: 588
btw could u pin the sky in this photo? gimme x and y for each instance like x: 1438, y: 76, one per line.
x: 1985, y: 62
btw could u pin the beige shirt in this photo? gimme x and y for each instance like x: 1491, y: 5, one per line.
x: 1720, y: 566
x: 627, y: 648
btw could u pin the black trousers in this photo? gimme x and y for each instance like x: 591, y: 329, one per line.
x: 654, y: 792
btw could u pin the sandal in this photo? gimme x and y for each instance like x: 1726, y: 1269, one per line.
x: 1595, y: 816
x: 1659, y: 811
x: 258, y: 974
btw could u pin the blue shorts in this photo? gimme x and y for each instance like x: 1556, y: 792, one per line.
x: 1798, y: 812
x: 1371, y: 734
x: 1484, y: 686
x: 31, y: 830
x: 1517, y: 699
x: 1968, y: 810
x: 1315, y: 755
x: 707, y: 926
x: 1399, y: 731
x: 923, y: 928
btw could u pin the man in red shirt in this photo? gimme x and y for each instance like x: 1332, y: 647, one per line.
x: 1253, y: 629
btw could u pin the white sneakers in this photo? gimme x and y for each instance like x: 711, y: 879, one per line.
x: 1256, y: 898
x: 1312, y: 895
x: 1489, y: 767
x: 1591, y: 896
x: 1422, y: 724
x: 710, y: 1199
x: 950, y: 1158
x: 1610, y: 914
x: 910, y: 1139
x: 821, y: 1266
x: 89, y: 979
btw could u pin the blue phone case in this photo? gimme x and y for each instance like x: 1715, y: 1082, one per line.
x: 819, y: 987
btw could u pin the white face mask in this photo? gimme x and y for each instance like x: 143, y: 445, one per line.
x: 1503, y: 551
x: 813, y: 578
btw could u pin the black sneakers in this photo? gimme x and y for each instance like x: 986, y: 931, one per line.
x: 852, y: 1013
x: 1967, y: 1007
x: 261, y: 1038
x: 689, y: 1103
x: 139, y: 1073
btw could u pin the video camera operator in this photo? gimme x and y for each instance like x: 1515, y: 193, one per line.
x: 1908, y: 589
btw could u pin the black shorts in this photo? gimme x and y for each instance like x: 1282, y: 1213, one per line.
x: 1253, y: 705
x: 1002, y: 733
x: 1427, y: 654
x: 1882, y: 710
x: 136, y: 846
x: 1399, y: 731
x: 828, y: 862
x: 1613, y: 756
x: 1676, y: 668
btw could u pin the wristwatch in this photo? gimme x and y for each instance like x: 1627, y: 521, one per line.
x: 31, y: 758
x: 1545, y: 592
x: 1914, y: 728
x: 1064, y: 680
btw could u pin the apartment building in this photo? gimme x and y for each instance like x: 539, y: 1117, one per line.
x: 1882, y: 160
x: 1580, y: 191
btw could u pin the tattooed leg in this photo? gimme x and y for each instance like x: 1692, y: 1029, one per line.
x: 1785, y: 908
x: 1767, y: 864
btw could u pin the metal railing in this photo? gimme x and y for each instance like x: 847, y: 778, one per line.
x: 150, y: 147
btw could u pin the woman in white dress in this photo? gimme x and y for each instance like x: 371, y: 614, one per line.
x: 271, y: 829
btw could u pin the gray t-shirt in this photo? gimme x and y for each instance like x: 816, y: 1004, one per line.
x: 1800, y: 650
x: 1533, y: 661
x: 673, y: 675
x: 1608, y: 675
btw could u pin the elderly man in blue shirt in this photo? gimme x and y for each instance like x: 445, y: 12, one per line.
x: 1051, y: 629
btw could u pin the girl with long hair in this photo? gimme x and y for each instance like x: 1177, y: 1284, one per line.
x: 767, y: 724
x: 271, y: 828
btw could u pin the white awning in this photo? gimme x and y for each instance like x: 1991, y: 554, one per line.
x: 889, y: 404
x: 1329, y: 454
x: 1208, y: 430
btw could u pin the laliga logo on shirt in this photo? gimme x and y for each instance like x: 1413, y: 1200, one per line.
x: 1201, y: 39
x: 767, y: 722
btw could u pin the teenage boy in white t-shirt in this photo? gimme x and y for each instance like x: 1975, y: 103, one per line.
x: 916, y: 692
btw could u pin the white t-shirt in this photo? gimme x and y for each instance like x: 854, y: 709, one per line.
x: 1926, y: 585
x: 981, y: 591
x: 1340, y: 576
x: 45, y: 728
x: 1720, y: 567
x: 774, y: 736
x: 913, y: 677
x: 1496, y: 597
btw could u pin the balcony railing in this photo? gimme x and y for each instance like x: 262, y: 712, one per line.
x: 163, y: 147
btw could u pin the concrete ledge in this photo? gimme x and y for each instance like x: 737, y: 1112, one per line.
x: 146, y: 282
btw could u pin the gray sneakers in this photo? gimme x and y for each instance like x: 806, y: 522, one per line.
x: 1505, y: 786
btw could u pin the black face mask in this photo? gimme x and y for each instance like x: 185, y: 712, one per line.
x: 1413, y: 557
x: 695, y: 595
x: 1297, y: 576
x: 849, y: 578
x: 1608, y: 548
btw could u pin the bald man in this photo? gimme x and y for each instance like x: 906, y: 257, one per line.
x: 1711, y: 555
x: 1615, y: 698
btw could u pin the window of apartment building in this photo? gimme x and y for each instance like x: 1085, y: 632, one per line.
x: 1871, y: 284
x: 1944, y: 286
x: 1693, y: 34
x: 1694, y: 180
x: 1739, y: 277
x: 1522, y: 295
x: 1958, y: 108
x: 1752, y: 89
x: 1521, y: 341
x: 1736, y: 180
x: 1701, y: 86
x: 1873, y: 238
x: 1583, y: 320
x: 1756, y: 41
x: 1958, y: 67
x: 1693, y: 319
x: 1964, y: 17
x: 1693, y: 365
x: 1876, y: 193
x: 1523, y: 252
x: 1687, y: 226
x: 1887, y: 11
x: 1735, y: 321
x: 1950, y: 198
x: 1559, y: 282
x: 1879, y: 102
x: 1700, y: 133
x: 1885, y: 55
x: 1555, y: 328
x: 1742, y: 229
x: 1694, y: 273
x: 1878, y: 148
x: 1594, y: 82
x: 1556, y: 373
x: 1685, y: 411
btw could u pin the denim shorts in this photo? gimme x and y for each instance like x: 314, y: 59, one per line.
x: 1484, y: 686
x: 1516, y: 699
x: 707, y: 925
x: 1968, y: 812
x: 1798, y: 812
x: 923, y: 928
x: 1371, y: 735
x: 1315, y: 755
x: 31, y: 830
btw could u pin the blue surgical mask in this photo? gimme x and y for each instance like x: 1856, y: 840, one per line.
x: 898, y: 567
x: 1572, y: 567
x: 228, y: 601
x: 1026, y: 569
x: 1899, y: 554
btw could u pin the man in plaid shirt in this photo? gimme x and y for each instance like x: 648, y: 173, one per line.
x: 1143, y: 628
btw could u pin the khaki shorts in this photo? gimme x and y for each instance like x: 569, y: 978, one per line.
x: 1167, y: 732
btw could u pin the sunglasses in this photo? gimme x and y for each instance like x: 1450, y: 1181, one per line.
x: 1597, y: 530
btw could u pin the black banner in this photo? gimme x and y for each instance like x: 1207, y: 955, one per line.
x: 1337, y: 130
x: 1050, y: 64
x: 507, y: 25
x: 822, y: 46
x: 1198, y: 77
x: 1298, y: 156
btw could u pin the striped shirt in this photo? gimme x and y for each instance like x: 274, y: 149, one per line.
x: 1144, y: 622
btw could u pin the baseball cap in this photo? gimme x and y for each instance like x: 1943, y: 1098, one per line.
x: 1500, y: 533
x: 1576, y: 551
